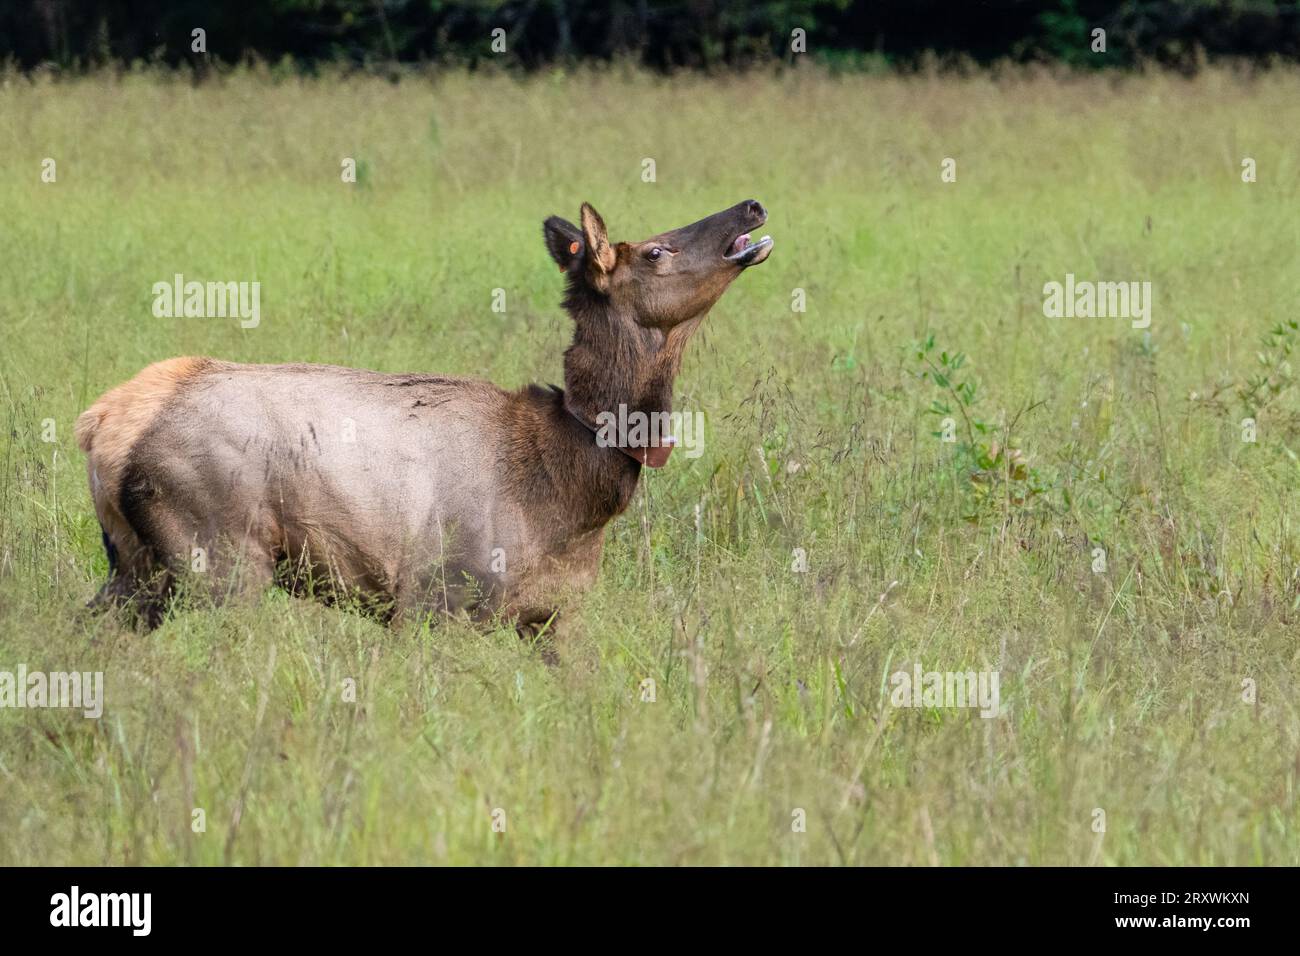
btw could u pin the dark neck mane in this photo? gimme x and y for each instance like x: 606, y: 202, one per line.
x: 612, y: 360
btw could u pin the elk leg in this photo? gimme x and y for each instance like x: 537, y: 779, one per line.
x: 220, y: 565
x: 137, y: 581
x: 223, y: 570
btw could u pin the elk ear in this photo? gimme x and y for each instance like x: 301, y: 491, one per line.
x: 600, y: 257
x: 564, y: 241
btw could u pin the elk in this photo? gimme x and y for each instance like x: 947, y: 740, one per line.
x: 415, y: 493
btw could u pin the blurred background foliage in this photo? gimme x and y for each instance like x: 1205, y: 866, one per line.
x: 704, y: 34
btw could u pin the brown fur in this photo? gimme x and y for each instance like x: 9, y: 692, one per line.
x: 245, y: 461
x: 110, y: 428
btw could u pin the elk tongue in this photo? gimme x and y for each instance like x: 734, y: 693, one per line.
x: 741, y: 242
x: 749, y: 253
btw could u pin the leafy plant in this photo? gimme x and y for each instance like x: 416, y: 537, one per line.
x: 1274, y: 358
x: 995, y: 469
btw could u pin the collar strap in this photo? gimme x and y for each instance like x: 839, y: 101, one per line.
x: 652, y: 456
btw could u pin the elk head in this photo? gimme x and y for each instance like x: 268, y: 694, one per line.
x: 667, y: 279
x: 634, y: 304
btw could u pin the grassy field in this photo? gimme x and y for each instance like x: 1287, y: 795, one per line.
x: 1153, y: 680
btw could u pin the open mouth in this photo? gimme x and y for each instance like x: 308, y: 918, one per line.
x: 744, y: 251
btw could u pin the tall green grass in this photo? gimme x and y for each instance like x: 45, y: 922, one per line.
x: 1122, y: 690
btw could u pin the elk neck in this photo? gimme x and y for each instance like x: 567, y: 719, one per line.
x: 612, y: 361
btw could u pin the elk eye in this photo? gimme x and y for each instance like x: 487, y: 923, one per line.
x: 654, y: 254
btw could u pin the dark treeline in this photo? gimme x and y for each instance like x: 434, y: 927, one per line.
x: 663, y: 34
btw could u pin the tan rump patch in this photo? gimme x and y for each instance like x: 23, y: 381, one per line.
x: 109, y: 428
